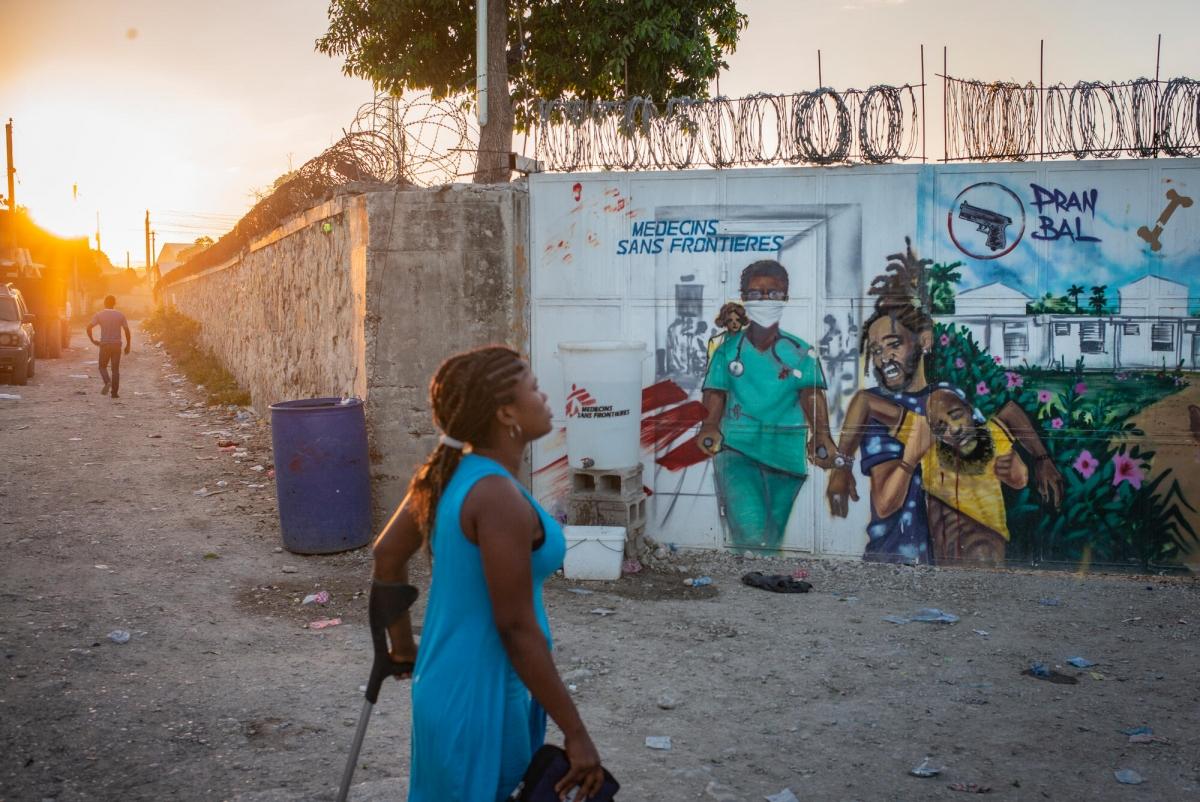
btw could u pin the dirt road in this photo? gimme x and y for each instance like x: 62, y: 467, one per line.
x: 222, y: 693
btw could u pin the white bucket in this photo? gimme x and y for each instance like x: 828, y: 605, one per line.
x: 594, y: 552
x: 603, y: 387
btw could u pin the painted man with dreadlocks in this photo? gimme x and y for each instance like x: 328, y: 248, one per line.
x: 896, y: 339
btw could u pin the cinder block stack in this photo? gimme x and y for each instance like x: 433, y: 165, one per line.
x: 614, y: 497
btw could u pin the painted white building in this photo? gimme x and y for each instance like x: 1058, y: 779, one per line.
x: 1154, y: 296
x: 1150, y: 329
x: 998, y: 318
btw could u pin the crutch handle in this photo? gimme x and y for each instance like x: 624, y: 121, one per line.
x: 388, y: 601
x: 381, y: 669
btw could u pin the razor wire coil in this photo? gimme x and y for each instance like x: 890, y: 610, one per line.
x: 1088, y: 119
x: 825, y: 126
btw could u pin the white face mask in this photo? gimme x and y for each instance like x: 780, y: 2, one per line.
x: 765, y: 313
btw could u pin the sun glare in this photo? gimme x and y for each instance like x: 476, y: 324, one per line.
x: 137, y: 170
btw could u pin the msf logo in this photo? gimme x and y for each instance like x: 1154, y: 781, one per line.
x: 577, y: 399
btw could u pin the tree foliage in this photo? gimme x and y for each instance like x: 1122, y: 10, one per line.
x: 590, y: 49
x: 1074, y: 292
x: 943, y: 279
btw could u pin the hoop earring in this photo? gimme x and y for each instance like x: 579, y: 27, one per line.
x: 515, y: 431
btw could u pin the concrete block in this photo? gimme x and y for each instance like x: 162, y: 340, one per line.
x: 591, y: 512
x: 619, y: 483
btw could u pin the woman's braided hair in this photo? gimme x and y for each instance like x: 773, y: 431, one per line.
x: 901, y: 293
x: 464, y: 394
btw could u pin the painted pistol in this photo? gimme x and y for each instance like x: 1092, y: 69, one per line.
x: 992, y: 223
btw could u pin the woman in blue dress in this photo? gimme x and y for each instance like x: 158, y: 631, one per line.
x: 484, y: 677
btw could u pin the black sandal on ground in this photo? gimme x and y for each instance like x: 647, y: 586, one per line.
x: 776, y: 583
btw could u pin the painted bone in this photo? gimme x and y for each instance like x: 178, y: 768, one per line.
x: 1174, y: 200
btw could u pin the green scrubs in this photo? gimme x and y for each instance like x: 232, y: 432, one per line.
x: 764, y: 457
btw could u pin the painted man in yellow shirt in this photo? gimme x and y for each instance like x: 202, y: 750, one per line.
x: 964, y: 460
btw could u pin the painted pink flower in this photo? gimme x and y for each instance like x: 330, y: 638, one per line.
x: 1080, y: 388
x: 1014, y: 379
x: 1044, y: 396
x: 981, y: 388
x: 1127, y: 469
x: 1056, y: 423
x: 1086, y: 464
x: 959, y: 362
x: 997, y: 360
x: 944, y: 340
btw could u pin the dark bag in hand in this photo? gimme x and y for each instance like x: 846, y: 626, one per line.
x: 548, y: 766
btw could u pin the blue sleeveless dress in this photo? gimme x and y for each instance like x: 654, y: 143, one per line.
x: 475, y: 725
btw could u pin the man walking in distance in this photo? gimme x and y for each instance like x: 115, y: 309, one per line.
x: 111, y: 323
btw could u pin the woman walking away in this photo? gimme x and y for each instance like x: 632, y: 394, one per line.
x: 484, y: 678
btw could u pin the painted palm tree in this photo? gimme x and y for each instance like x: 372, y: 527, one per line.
x: 1074, y: 293
x: 943, y: 279
x: 1098, y: 302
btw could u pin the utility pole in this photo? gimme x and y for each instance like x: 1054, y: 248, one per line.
x: 12, y: 191
x: 153, y: 252
x: 98, y: 230
x: 147, y: 239
x: 127, y: 260
x: 75, y: 260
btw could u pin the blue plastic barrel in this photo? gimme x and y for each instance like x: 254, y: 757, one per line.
x: 322, y: 478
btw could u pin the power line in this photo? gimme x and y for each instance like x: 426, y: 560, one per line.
x: 205, y: 215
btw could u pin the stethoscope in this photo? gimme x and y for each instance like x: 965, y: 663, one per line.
x: 737, y: 367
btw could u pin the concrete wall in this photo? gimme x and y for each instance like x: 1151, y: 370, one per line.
x: 447, y: 270
x: 365, y: 295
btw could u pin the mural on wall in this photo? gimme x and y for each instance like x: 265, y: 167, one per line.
x: 683, y: 357
x: 767, y: 417
x: 1074, y: 350
x: 935, y: 464
x: 1014, y: 384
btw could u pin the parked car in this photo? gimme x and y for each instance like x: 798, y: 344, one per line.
x: 16, y: 336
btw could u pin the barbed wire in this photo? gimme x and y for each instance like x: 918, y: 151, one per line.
x: 416, y: 141
x: 1179, y: 118
x: 825, y: 126
x: 426, y: 142
x: 1015, y: 122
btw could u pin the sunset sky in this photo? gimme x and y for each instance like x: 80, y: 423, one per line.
x: 186, y: 108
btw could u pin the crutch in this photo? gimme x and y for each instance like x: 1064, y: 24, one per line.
x: 388, y: 601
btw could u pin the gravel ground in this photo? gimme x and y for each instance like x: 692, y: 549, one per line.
x: 223, y: 692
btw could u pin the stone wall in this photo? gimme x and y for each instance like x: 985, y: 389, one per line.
x: 286, y: 318
x: 365, y: 295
